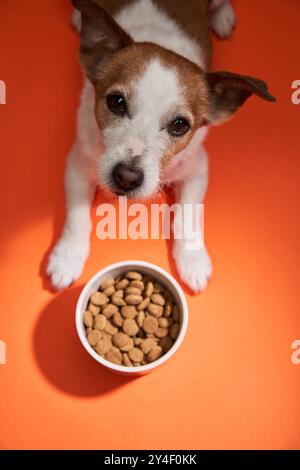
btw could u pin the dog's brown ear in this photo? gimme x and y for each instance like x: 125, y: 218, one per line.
x: 228, y: 91
x: 101, y: 37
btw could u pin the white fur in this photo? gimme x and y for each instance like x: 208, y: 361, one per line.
x: 189, y: 174
x: 69, y: 255
x: 76, y: 20
x: 223, y: 19
x: 216, y: 4
x: 144, y: 137
x: 191, y: 162
x: 145, y: 22
x: 136, y: 147
x: 147, y: 124
x: 193, y: 265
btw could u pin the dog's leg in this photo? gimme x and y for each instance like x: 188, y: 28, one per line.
x: 192, y: 260
x: 222, y: 18
x: 69, y: 255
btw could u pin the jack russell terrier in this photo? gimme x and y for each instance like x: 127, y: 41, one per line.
x: 146, y: 106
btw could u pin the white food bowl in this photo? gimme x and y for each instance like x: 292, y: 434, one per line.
x: 117, y: 269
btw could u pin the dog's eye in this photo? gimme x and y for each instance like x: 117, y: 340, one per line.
x: 179, y: 127
x: 117, y: 104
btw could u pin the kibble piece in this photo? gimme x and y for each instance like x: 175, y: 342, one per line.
x: 88, y: 319
x: 154, y: 354
x: 104, y: 344
x: 137, y: 341
x: 117, y: 320
x: 147, y: 345
x: 155, y: 310
x: 129, y: 311
x: 149, y: 289
x: 139, y: 284
x: 110, y: 310
x: 152, y: 336
x: 109, y: 291
x: 137, y: 364
x: 114, y: 355
x: 161, y: 332
x: 134, y: 276
x: 176, y: 314
x: 110, y: 328
x: 94, y: 309
x: 128, y: 346
x: 100, y: 322
x: 158, y: 288
x: 150, y: 324
x: 133, y: 299
x: 158, y: 299
x: 99, y: 299
x: 107, y: 283
x: 130, y: 327
x: 119, y: 293
x: 165, y: 322
x: 144, y: 304
x: 136, y: 355
x: 122, y: 341
x: 117, y: 300
x: 93, y: 337
x: 126, y: 361
x: 88, y: 330
x: 133, y: 290
x: 166, y: 343
x: 168, y: 309
x: 140, y: 319
x: 174, y: 330
x: 122, y: 284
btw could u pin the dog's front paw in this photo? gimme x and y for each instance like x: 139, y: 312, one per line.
x: 194, y: 267
x: 223, y: 20
x: 66, y: 262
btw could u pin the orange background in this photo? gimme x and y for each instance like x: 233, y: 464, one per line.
x: 232, y: 384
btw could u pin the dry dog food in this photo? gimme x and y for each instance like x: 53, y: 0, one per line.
x: 132, y: 320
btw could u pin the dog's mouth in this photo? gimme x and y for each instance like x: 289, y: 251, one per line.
x: 134, y: 194
x: 120, y: 192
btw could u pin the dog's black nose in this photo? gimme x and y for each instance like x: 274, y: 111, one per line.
x: 127, y: 177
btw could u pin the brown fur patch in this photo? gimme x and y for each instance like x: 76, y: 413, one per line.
x: 192, y: 15
x: 113, y: 6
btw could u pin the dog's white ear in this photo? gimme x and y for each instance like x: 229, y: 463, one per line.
x: 228, y: 91
x: 101, y: 36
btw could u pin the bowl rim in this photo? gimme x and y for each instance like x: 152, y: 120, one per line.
x: 83, y: 298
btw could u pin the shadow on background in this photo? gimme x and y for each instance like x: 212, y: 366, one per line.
x: 60, y: 355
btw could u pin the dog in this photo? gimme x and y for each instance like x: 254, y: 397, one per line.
x: 148, y: 101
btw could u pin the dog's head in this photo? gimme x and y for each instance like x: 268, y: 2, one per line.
x: 149, y: 101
